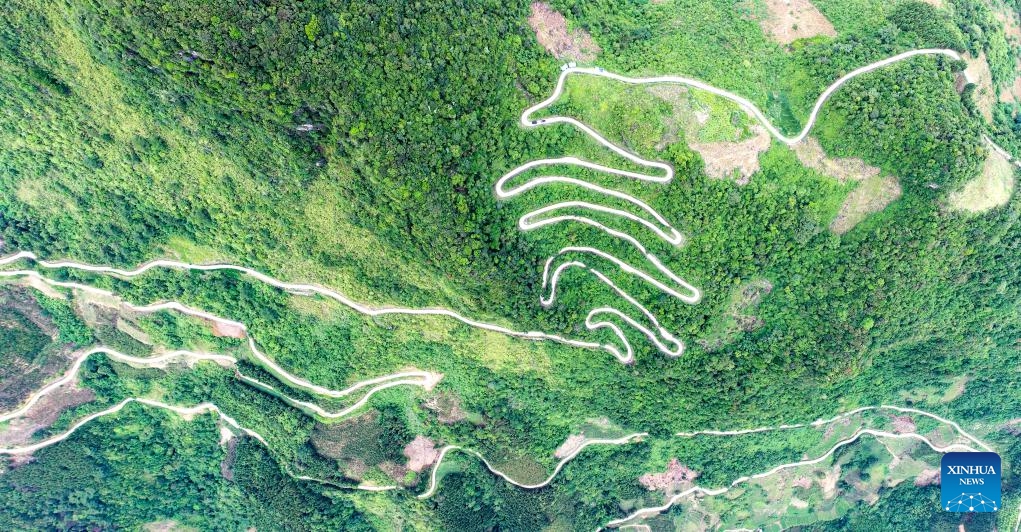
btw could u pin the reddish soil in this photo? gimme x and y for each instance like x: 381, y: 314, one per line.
x: 43, y: 414
x: 802, y: 482
x: 903, y: 424
x: 421, y: 453
x: 928, y: 477
x: 675, y: 474
x: 790, y: 20
x: 551, y: 30
x: 227, y: 465
x: 227, y: 330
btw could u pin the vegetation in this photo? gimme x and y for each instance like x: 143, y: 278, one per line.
x: 356, y: 145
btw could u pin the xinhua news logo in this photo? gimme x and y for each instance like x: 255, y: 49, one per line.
x: 970, y: 482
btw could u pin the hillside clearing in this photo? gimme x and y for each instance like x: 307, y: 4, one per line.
x: 844, y: 169
x: 551, y: 30
x: 790, y: 20
x: 990, y: 189
x: 871, y: 195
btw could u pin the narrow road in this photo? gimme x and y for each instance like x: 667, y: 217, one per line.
x: 184, y: 411
x: 425, y: 379
x: 744, y: 103
x: 419, y: 378
x: 293, y: 288
x: 648, y: 217
x: 653, y: 510
x: 657, y: 225
x: 556, y: 470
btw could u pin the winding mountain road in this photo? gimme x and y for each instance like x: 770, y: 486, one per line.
x: 641, y: 214
x: 647, y: 218
x: 424, y: 379
x: 653, y: 510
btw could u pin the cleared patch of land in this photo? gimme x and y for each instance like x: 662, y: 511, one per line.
x: 739, y: 317
x: 985, y: 94
x: 30, y: 352
x: 43, y: 414
x: 570, y: 446
x: 738, y: 159
x: 166, y: 526
x: 811, y: 154
x: 790, y: 20
x: 990, y: 189
x: 676, y: 476
x: 421, y: 453
x: 551, y: 30
x: 871, y: 195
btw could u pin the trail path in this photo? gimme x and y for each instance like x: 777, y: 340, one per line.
x: 669, y: 283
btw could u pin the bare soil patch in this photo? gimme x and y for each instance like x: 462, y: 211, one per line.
x: 1010, y: 23
x: 228, y: 330
x: 992, y: 188
x: 790, y: 20
x: 168, y: 525
x: 43, y: 288
x: 928, y: 477
x: 903, y: 424
x: 227, y: 464
x: 1013, y: 95
x: 551, y: 30
x: 829, y: 482
x: 447, y: 408
x: 811, y: 154
x: 985, y: 93
x: 676, y: 475
x: 43, y: 414
x: 421, y: 453
x: 802, y: 482
x: 872, y: 195
x: 570, y: 446
x: 725, y: 159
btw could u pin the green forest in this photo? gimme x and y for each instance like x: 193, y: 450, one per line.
x: 356, y: 146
